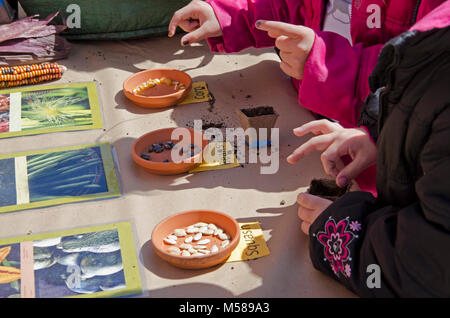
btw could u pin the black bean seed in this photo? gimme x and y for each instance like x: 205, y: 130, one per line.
x: 146, y: 157
x: 168, y: 145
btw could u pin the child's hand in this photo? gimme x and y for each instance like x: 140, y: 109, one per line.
x: 310, y: 207
x: 336, y: 142
x: 295, y: 43
x: 197, y: 18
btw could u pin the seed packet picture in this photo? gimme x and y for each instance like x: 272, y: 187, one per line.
x: 57, y: 176
x: 10, y: 271
x: 50, y: 108
x: 4, y: 113
x: 78, y: 264
x: 83, y: 264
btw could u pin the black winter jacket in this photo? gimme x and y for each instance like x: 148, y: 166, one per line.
x: 399, y: 243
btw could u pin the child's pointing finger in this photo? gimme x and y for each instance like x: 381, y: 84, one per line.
x: 276, y: 29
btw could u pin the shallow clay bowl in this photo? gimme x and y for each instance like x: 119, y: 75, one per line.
x: 184, y: 219
x: 156, y: 164
x: 157, y: 101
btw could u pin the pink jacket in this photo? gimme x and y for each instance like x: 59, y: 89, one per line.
x: 335, y: 80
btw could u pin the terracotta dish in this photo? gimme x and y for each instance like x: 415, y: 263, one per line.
x: 184, y: 219
x: 157, y: 165
x: 157, y: 101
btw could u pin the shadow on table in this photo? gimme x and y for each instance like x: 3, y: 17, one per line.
x: 139, y: 54
x: 127, y: 55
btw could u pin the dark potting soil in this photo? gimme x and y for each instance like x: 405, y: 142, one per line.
x: 212, y: 125
x: 327, y: 189
x: 258, y: 111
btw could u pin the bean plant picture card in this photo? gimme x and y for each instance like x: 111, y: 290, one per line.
x: 49, y: 108
x: 57, y: 176
x: 97, y: 261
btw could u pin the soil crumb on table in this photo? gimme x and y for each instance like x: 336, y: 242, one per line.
x: 258, y: 111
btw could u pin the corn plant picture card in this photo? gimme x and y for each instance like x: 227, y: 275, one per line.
x: 57, y: 176
x: 49, y: 108
x: 97, y: 261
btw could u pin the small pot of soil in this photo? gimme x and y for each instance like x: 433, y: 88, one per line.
x: 327, y: 189
x: 258, y: 117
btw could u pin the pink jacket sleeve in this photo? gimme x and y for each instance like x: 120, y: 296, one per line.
x: 335, y: 80
x: 237, y: 20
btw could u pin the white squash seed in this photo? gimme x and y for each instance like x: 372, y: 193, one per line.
x: 214, y: 248
x: 185, y: 246
x: 212, y: 226
x: 218, y: 231
x: 188, y: 239
x: 173, y: 250
x: 209, y: 232
x: 172, y: 237
x: 192, y: 230
x: 203, y: 229
x: 200, y: 247
x: 179, y: 232
x: 203, y: 242
x: 185, y: 253
x: 224, y: 236
x: 197, y: 236
x: 204, y: 251
x: 200, y: 224
x: 169, y: 241
x: 225, y: 243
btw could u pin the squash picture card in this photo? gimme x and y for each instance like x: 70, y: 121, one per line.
x: 56, y: 176
x: 98, y: 261
x: 49, y: 108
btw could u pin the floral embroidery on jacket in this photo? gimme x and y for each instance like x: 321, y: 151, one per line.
x: 335, y: 240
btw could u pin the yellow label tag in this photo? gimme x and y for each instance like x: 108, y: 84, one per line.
x: 198, y: 94
x: 252, y: 244
x: 217, y: 156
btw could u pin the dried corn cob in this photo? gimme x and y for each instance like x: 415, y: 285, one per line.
x: 29, y: 74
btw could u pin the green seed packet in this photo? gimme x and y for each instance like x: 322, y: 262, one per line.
x: 56, y: 176
x: 49, y: 108
x: 98, y: 261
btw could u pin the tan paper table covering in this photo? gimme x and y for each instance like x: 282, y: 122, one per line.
x: 250, y: 78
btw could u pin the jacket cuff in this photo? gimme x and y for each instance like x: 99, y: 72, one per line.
x: 336, y: 236
x: 237, y: 25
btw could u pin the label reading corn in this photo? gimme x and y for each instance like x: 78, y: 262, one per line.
x: 198, y: 94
